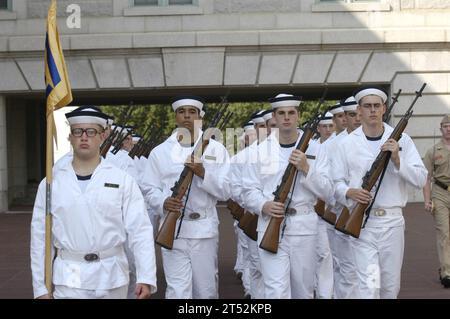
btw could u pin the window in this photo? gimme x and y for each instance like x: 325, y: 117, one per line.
x: 350, y: 5
x: 182, y: 2
x: 4, y: 4
x: 350, y: 1
x: 163, y: 2
x: 6, y: 10
x: 146, y: 2
x: 165, y: 7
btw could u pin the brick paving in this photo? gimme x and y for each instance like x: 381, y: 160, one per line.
x: 419, y: 275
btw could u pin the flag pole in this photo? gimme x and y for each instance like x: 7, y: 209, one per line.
x: 59, y: 94
x: 48, y: 204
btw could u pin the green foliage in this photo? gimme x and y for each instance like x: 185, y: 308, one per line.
x: 158, y: 116
x: 162, y: 116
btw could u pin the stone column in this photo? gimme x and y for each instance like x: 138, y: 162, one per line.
x: 3, y: 158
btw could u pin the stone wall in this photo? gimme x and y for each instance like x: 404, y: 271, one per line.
x: 239, y: 6
x: 39, y: 8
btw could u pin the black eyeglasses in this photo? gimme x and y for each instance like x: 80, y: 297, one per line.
x: 90, y: 132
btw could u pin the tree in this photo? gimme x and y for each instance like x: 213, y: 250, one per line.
x: 161, y: 116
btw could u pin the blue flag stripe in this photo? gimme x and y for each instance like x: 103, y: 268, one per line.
x: 51, y: 65
x: 48, y: 90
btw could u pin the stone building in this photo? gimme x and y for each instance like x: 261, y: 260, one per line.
x: 148, y: 50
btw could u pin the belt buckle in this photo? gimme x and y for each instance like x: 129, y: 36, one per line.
x: 291, y: 211
x: 194, y: 216
x: 379, y: 212
x: 91, y: 257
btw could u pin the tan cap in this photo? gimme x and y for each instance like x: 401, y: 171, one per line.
x: 446, y: 119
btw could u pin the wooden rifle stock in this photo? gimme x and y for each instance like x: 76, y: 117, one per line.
x: 235, y: 209
x: 247, y: 221
x: 320, y: 207
x: 329, y: 217
x: 108, y: 142
x: 354, y: 223
x: 342, y: 220
x: 248, y: 224
x: 326, y: 214
x: 355, y: 220
x: 271, y: 236
x: 166, y: 234
x: 136, y: 148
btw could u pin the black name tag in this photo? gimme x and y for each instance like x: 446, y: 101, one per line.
x: 311, y: 157
x: 112, y: 185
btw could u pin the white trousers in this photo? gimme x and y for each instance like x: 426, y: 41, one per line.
x: 346, y: 277
x: 242, y: 258
x: 331, y: 241
x: 154, y: 219
x: 191, y: 269
x: 256, y: 278
x: 379, y: 258
x: 324, y: 263
x: 64, y: 292
x: 290, y: 272
x: 132, y: 272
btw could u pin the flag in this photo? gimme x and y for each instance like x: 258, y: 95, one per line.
x: 59, y: 94
x: 57, y: 85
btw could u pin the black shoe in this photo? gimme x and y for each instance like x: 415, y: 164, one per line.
x: 446, y: 282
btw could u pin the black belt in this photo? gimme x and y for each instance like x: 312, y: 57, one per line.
x: 442, y: 185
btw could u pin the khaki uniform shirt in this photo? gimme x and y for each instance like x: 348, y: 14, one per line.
x: 437, y: 158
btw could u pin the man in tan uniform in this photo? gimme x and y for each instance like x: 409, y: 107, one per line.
x: 437, y: 199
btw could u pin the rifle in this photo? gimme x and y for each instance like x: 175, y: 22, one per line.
x: 113, y: 136
x: 248, y: 224
x: 387, y: 115
x: 121, y: 137
x: 152, y: 143
x: 320, y: 207
x: 136, y: 148
x: 433, y: 169
x: 345, y: 213
x: 166, y: 233
x: 272, y: 234
x: 119, y: 141
x: 147, y: 142
x: 226, y: 120
x: 247, y: 221
x: 106, y: 145
x: 235, y: 209
x: 354, y: 223
x: 329, y: 216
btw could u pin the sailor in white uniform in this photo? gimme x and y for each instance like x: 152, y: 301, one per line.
x: 95, y: 208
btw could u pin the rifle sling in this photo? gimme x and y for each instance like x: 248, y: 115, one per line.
x: 184, y: 209
x: 187, y: 197
x: 367, y: 212
x: 289, y: 202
